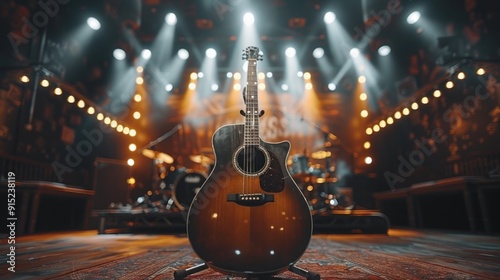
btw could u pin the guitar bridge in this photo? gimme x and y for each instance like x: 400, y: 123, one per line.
x: 253, y: 199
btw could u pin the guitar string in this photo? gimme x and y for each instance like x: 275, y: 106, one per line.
x: 251, y: 139
x: 253, y: 151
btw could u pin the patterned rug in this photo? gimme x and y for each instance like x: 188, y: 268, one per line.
x: 401, y: 254
x: 330, y: 259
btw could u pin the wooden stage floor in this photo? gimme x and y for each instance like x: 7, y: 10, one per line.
x: 401, y: 254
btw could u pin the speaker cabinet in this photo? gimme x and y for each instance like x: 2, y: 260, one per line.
x: 110, y: 183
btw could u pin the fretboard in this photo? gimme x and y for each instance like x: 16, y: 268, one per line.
x: 251, y: 136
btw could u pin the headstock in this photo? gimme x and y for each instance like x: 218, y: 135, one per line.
x: 252, y: 53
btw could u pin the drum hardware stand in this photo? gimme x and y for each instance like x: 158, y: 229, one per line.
x: 161, y: 138
x: 158, y: 140
x: 183, y: 273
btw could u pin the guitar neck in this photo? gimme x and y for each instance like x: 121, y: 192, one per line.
x: 251, y: 137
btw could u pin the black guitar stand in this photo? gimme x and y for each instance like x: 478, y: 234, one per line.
x: 183, y: 273
x: 309, y: 275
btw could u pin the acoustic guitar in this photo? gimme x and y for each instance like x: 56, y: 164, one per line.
x: 249, y: 218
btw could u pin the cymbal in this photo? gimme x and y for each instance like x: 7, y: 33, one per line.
x: 201, y: 159
x: 321, y: 154
x: 157, y: 155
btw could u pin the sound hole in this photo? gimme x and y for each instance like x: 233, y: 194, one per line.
x: 251, y: 160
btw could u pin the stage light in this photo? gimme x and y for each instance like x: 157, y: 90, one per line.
x: 329, y: 17
x: 93, y: 23
x: 211, y: 53
x: 424, y: 100
x: 284, y: 87
x: 25, y: 79
x: 146, y: 54
x: 369, y: 131
x: 449, y: 85
x: 363, y: 96
x: 139, y: 80
x: 81, y: 104
x: 114, y: 123
x: 437, y: 93
x: 132, y: 132
x: 413, y: 17
x: 414, y: 105
x: 368, y: 160
x: 193, y: 76
x: 132, y: 147
x: 318, y: 52
x: 461, y: 76
x: 361, y: 79
x: 376, y: 128
x: 107, y: 120
x: 137, y: 115
x: 229, y: 75
x: 269, y: 74
x: 237, y: 76
x: 119, y: 54
x: 44, y: 83
x: 309, y: 86
x: 406, y: 111
x: 171, y: 19
x: 382, y: 124
x: 100, y: 117
x: 307, y: 75
x: 183, y: 54
x: 397, y: 115
x: 390, y: 120
x: 130, y: 162
x: 332, y: 86
x: 364, y: 113
x: 126, y: 130
x: 192, y: 86
x: 91, y: 110
x: 169, y: 87
x: 119, y: 128
x: 290, y: 52
x: 139, y: 69
x: 367, y: 145
x: 71, y: 99
x: 263, y: 86
x: 354, y: 52
x: 248, y: 18
x: 237, y: 87
x: 131, y: 181
x: 137, y: 97
x: 214, y: 87
x: 480, y: 71
x: 384, y: 50
x: 300, y: 74
x: 261, y: 76
x: 57, y: 91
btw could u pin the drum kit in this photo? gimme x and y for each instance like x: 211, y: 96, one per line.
x: 175, y: 187
x: 316, y: 183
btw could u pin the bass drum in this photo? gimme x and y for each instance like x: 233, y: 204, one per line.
x: 186, y: 186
